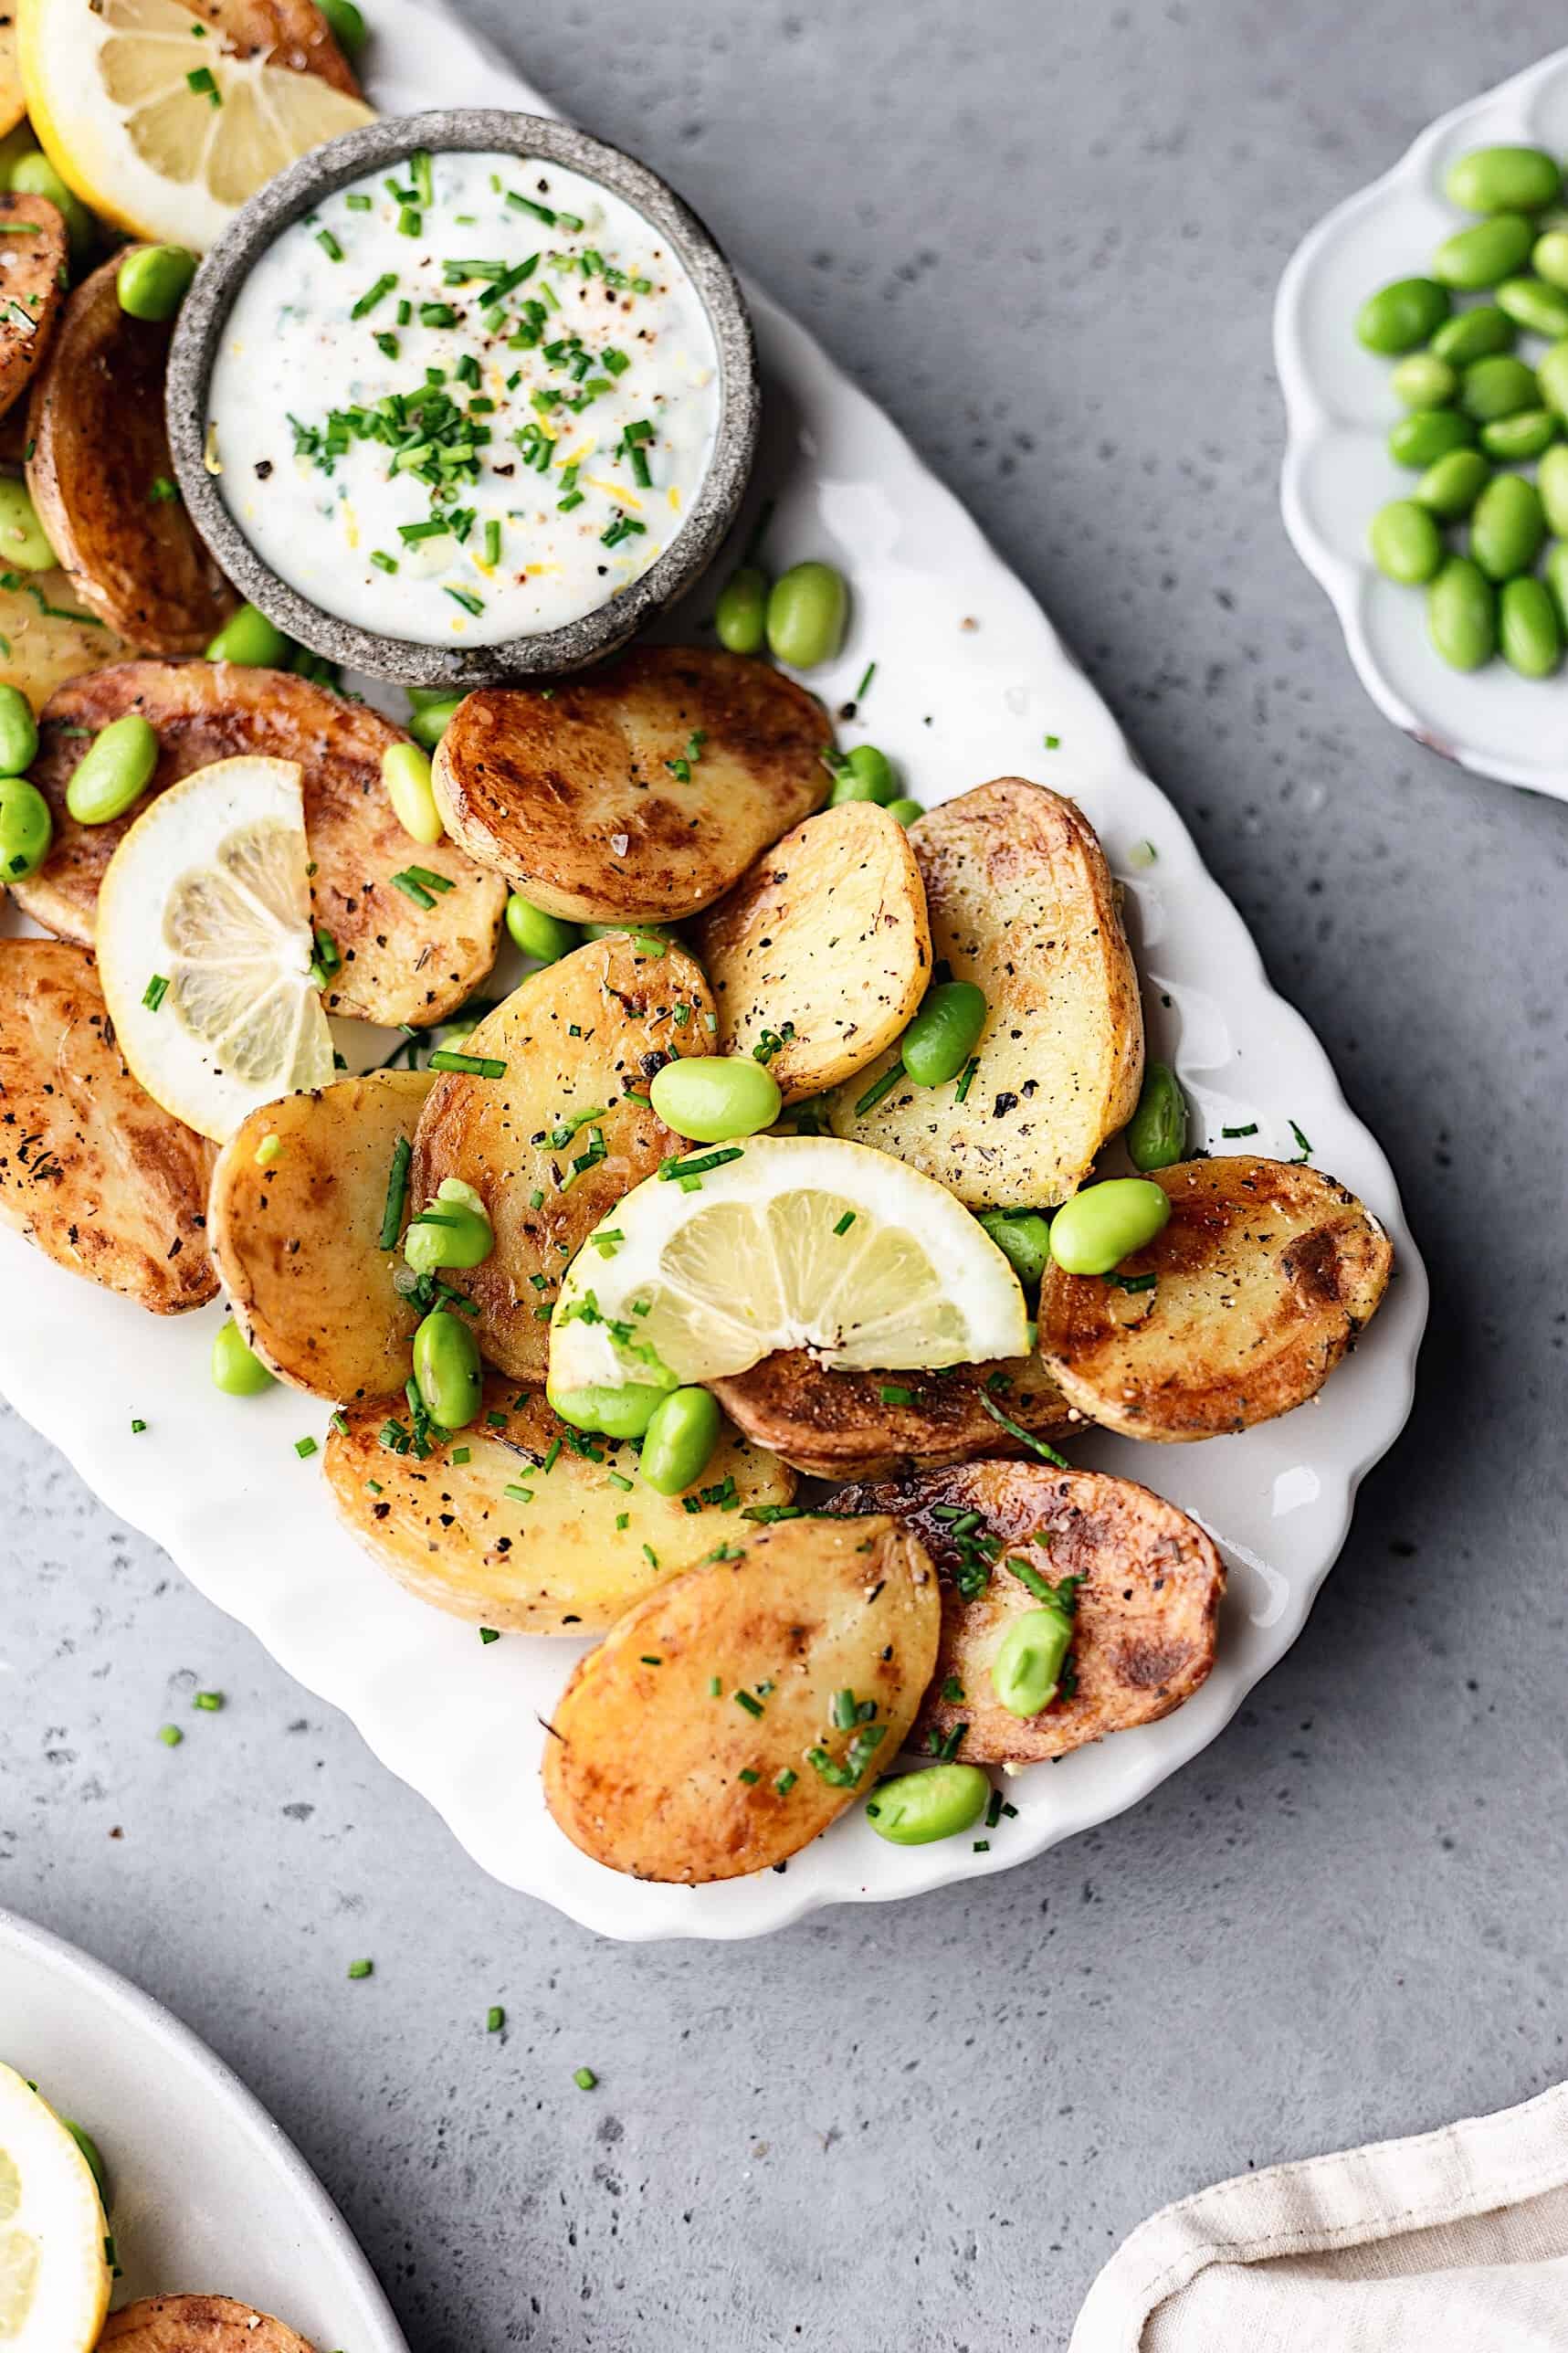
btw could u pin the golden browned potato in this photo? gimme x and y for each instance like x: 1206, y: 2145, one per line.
x: 297, y: 1233
x: 91, y: 1168
x: 195, y: 2324
x: 839, y: 1425
x: 1263, y: 1277
x: 50, y: 636
x: 1022, y: 903
x: 503, y: 1541
x: 1147, y: 1610
x: 554, y: 1142
x: 35, y: 254
x: 703, y: 1739
x: 638, y: 792
x: 822, y: 952
x: 400, y: 961
x: 291, y: 33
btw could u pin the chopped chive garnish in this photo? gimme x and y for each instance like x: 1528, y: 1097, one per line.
x: 467, y: 599
x: 743, y: 1699
x: 519, y: 1494
x: 204, y: 82
x: 372, y: 295
x: 304, y: 1448
x: 1301, y: 1144
x: 1251, y: 1129
x: 362, y: 1969
x: 477, y: 1066
x: 869, y: 673
x: 396, y: 1193
x: 495, y: 2019
x: 328, y: 245
x: 967, y: 1080
x: 883, y: 1086
x: 749, y: 1773
x: 892, y: 1394
x: 209, y: 1702
x: 527, y: 205
x: 489, y: 1634
x: 585, y: 2079
x: 137, y: 1427
x: 845, y: 1222
x: 492, y: 543
x: 410, y: 222
x: 1015, y: 1429
x: 382, y: 561
x: 170, y: 1734
x: 358, y: 204
x: 787, y: 1781
x: 155, y: 993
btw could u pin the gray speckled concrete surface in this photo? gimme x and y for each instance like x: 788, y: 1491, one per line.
x: 1046, y: 237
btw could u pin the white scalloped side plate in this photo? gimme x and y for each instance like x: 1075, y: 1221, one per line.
x: 1337, y: 471
x: 971, y: 682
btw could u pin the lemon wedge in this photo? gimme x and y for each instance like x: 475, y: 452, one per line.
x: 157, y: 121
x: 794, y: 1242
x: 205, y: 946
x: 54, y: 2278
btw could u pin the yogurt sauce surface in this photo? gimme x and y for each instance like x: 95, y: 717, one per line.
x: 468, y: 399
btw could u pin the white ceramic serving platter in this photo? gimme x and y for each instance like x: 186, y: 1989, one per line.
x: 970, y: 683
x: 1338, y: 472
x: 206, y: 2195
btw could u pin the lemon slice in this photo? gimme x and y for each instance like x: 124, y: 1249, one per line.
x: 209, y: 894
x: 797, y: 1243
x: 54, y: 2279
x: 13, y: 102
x: 111, y: 92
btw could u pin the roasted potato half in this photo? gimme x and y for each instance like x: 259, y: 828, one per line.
x: 195, y: 2324
x: 291, y: 33
x: 34, y: 270
x: 91, y: 1168
x: 1263, y: 1277
x: 501, y: 1540
x: 400, y: 961
x: 555, y: 1141
x: 839, y: 1425
x: 821, y: 953
x: 638, y: 792
x: 51, y: 638
x: 1022, y: 903
x: 300, y: 1197
x: 1147, y: 1608
x: 703, y: 1739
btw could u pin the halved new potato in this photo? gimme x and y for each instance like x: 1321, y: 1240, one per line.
x: 400, y: 961
x: 1264, y: 1275
x: 730, y: 1717
x: 537, y: 1529
x: 1022, y: 903
x: 566, y: 1128
x: 846, y: 1425
x: 50, y: 636
x: 34, y: 258
x: 820, y: 954
x: 1146, y: 1618
x: 292, y: 33
x: 636, y: 792
x: 91, y: 1170
x: 195, y: 2324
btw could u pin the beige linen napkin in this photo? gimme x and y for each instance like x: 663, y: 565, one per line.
x: 1454, y: 2243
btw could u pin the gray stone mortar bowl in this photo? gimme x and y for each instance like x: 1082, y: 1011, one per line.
x: 378, y: 146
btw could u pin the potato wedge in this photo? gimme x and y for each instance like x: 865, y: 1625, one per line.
x: 401, y: 962
x: 45, y: 638
x: 502, y: 1542
x: 291, y: 33
x: 1148, y: 1607
x: 652, y: 1772
x: 1264, y: 1276
x: 581, y: 1042
x: 1022, y: 903
x: 34, y: 260
x: 195, y: 2324
x: 837, y: 1425
x: 99, y: 446
x: 820, y: 954
x: 297, y: 1237
x: 91, y: 1169
x: 573, y: 796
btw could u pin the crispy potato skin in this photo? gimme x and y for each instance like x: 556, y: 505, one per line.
x: 826, y: 936
x: 836, y: 1425
x: 99, y: 443
x: 50, y: 646
x: 298, y: 1242
x: 633, y: 1012
x: 643, y: 1768
x: 1147, y: 1615
x: 1265, y: 1274
x: 400, y: 962
x: 542, y: 787
x: 196, y: 2323
x: 291, y: 33
x: 91, y: 1169
x: 559, y: 1564
x: 1021, y: 902
x: 33, y: 274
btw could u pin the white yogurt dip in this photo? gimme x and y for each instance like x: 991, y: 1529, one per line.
x: 468, y: 399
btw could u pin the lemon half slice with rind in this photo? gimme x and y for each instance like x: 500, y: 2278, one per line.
x: 54, y: 2275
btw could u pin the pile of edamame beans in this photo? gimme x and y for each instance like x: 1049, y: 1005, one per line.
x: 1477, y: 412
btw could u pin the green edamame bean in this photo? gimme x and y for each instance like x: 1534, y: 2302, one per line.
x: 1024, y: 1237
x: 1452, y: 486
x: 848, y: 787
x: 808, y: 610
x: 1474, y: 335
x: 538, y: 934
x: 1029, y: 1659
x: 943, y: 1033
x: 1406, y: 546
x: 420, y: 697
x: 454, y: 1230
x: 1157, y: 1131
x: 1461, y: 614
x: 27, y: 828
x: 1530, y: 635
x: 114, y: 771
x: 12, y: 147
x: 1552, y: 481
x: 347, y: 24
x: 34, y: 175
x: 1556, y: 581
x: 237, y: 1369
x: 1511, y: 439
x: 1097, y: 1229
x: 405, y: 773
x: 446, y: 1370
x: 1552, y: 373
x: 316, y: 668
x: 1483, y: 255
x: 740, y: 616
x: 914, y: 1809
x: 1548, y: 257
x: 616, y: 1413
x: 19, y: 732
x: 1428, y: 434
x: 1498, y: 386
x: 1399, y: 317
x: 248, y: 637
x: 905, y: 809
x: 1508, y: 527
x: 1504, y: 180
x: 153, y: 281
x: 712, y: 1098
x: 23, y: 545
x: 680, y: 1440
x: 629, y: 931
x: 876, y: 772
x: 428, y: 726
x: 1539, y: 309
x: 1424, y: 381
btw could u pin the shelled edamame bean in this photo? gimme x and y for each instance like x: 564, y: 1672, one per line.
x: 249, y: 638
x: 18, y: 733
x: 237, y: 1369
x: 27, y: 828
x: 114, y: 771
x: 153, y: 281
x: 943, y: 1033
x: 546, y: 937
x: 446, y: 1370
x: 681, y: 1435
x: 713, y: 1098
x: 405, y: 773
x: 24, y: 545
x: 914, y: 1809
x: 1157, y: 1131
x: 1023, y: 1239
x: 808, y: 610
